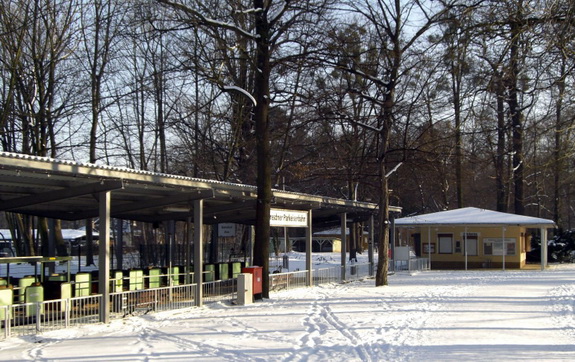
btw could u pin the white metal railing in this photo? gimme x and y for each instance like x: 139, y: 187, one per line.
x: 286, y: 281
x: 414, y: 264
x: 220, y: 290
x: 327, y: 275
x: 36, y: 317
x: 31, y: 318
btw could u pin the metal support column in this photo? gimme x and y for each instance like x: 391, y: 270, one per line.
x: 104, y: 256
x: 308, y: 247
x: 119, y: 244
x: 543, y: 247
x: 504, y: 246
x: 392, y: 241
x: 370, y: 247
x: 343, y: 222
x: 198, y: 250
x: 188, y: 244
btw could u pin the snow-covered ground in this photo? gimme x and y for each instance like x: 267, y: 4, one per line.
x: 435, y: 315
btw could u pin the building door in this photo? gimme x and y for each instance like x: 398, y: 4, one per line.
x: 471, y: 245
x: 417, y: 243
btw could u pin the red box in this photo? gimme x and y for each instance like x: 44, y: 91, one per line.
x: 257, y: 277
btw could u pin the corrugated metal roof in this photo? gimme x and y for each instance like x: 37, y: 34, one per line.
x: 69, y: 190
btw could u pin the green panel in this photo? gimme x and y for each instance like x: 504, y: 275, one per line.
x: 136, y: 279
x: 174, y: 275
x: 224, y: 271
x: 117, y: 281
x: 34, y: 294
x: 65, y: 293
x: 154, y: 278
x: 6, y: 298
x: 3, y: 282
x: 236, y: 269
x: 65, y: 290
x: 211, y: 272
x: 22, y: 285
x: 83, y: 284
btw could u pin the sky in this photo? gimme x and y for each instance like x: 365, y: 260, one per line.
x: 475, y: 315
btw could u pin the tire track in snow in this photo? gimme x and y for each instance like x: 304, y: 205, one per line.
x: 188, y: 348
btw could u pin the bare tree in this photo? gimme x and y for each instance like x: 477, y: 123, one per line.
x: 269, y: 30
x: 389, y: 21
x: 37, y: 41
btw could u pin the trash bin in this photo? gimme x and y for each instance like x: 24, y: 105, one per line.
x: 257, y: 273
x: 285, y: 262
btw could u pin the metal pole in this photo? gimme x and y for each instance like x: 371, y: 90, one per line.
x: 198, y: 249
x: 104, y: 256
x: 465, y: 246
x: 429, y: 245
x: 343, y: 222
x: 370, y: 246
x: 543, y: 248
x: 188, y: 249
x: 504, y: 251
x: 308, y: 241
x: 392, y: 242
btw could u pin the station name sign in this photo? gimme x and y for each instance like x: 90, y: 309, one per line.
x: 288, y: 218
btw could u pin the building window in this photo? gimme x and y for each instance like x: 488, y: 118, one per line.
x: 445, y: 243
x: 428, y: 248
x: 496, y: 246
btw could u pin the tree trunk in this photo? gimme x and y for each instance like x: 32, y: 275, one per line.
x: 500, y: 156
x: 261, y: 113
x: 383, y: 227
x: 516, y: 124
x: 557, y: 152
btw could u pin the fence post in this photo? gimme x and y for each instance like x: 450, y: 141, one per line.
x: 156, y: 299
x: 67, y: 310
x: 38, y: 321
x: 7, y: 310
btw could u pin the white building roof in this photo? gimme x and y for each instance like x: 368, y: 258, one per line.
x: 473, y: 216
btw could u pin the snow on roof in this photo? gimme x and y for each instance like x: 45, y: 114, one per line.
x: 472, y: 216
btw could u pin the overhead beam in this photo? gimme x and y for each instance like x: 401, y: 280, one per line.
x: 67, y: 193
x: 125, y: 210
x: 229, y: 208
x: 163, y: 201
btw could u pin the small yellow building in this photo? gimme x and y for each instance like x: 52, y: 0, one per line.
x: 471, y: 238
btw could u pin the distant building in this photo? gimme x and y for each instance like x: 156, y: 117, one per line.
x: 472, y: 237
